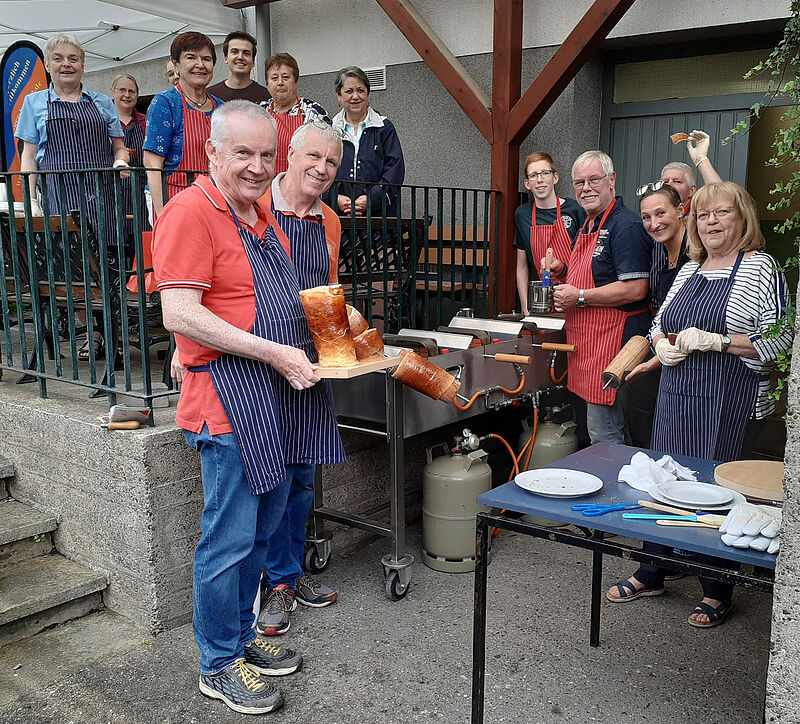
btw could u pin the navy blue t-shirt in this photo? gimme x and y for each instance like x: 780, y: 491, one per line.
x: 624, y: 252
x: 571, y: 213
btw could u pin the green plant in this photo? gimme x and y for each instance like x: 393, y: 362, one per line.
x: 783, y: 67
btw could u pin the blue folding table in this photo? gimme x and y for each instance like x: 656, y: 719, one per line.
x: 604, y: 461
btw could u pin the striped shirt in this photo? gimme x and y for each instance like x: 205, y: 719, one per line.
x: 759, y: 298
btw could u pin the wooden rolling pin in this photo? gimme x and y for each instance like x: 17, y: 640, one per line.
x: 633, y: 353
x: 127, y: 425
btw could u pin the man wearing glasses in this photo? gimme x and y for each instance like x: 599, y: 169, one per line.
x: 308, y: 229
x: 606, y: 291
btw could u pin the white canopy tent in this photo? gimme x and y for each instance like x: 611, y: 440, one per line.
x: 118, y: 32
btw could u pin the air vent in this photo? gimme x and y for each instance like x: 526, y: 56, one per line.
x: 377, y: 78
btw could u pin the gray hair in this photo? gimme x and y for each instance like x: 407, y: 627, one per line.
x: 685, y: 168
x: 120, y: 77
x: 63, y: 39
x: 326, y: 132
x: 351, y: 71
x: 588, y: 156
x: 248, y: 109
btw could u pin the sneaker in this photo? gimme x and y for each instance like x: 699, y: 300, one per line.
x: 241, y: 688
x: 274, y: 617
x: 270, y: 660
x: 312, y: 593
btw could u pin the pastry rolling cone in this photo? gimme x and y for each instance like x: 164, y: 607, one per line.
x: 425, y: 377
x: 326, y: 315
x: 358, y: 325
x: 678, y: 137
x: 369, y: 346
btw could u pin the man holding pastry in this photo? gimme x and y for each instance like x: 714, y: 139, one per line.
x: 252, y: 403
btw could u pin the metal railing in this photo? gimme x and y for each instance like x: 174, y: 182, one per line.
x: 72, y: 275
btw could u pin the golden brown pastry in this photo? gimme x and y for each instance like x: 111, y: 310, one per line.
x: 369, y: 346
x: 326, y: 315
x: 358, y: 325
x: 678, y: 137
x: 425, y: 377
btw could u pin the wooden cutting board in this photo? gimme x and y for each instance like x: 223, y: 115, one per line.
x: 762, y: 479
x: 362, y: 368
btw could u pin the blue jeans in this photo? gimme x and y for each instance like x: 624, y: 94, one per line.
x: 284, y: 560
x: 606, y: 423
x: 236, y: 527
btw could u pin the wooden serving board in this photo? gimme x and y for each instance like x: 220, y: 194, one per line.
x: 362, y: 368
x: 762, y: 479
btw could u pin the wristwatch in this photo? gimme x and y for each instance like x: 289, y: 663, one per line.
x: 582, y: 301
x: 726, y: 342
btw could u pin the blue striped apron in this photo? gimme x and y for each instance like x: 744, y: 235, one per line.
x: 77, y: 138
x: 275, y: 424
x: 704, y: 403
x: 133, y: 137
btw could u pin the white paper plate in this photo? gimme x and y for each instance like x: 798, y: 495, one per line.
x: 737, y: 498
x: 558, y: 482
x: 697, y: 494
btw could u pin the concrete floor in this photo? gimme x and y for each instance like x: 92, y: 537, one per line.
x: 372, y: 661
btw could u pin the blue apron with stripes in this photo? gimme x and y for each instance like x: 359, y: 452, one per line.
x: 276, y: 425
x: 705, y: 402
x: 77, y: 138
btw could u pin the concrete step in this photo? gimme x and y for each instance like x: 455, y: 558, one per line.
x: 24, y: 532
x: 43, y: 591
x: 6, y: 475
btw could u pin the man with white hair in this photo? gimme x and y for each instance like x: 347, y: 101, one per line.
x: 681, y: 176
x: 303, y: 223
x: 251, y: 403
x: 605, y: 296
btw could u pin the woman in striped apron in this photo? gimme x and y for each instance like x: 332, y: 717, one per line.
x: 179, y: 120
x: 715, y: 384
x: 67, y: 128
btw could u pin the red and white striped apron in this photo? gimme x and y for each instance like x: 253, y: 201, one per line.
x: 554, y: 237
x: 196, y: 130
x: 287, y: 125
x: 596, y: 332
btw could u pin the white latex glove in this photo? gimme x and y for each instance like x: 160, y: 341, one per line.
x: 752, y: 526
x: 36, y: 208
x: 668, y: 355
x: 697, y: 146
x: 694, y: 339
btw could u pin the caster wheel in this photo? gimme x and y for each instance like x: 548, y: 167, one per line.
x: 313, y: 563
x: 395, y: 590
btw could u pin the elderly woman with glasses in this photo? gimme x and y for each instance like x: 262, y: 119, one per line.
x: 715, y: 379
x: 546, y: 222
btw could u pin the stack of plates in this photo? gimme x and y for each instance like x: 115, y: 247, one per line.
x: 696, y: 496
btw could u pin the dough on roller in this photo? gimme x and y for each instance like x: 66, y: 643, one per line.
x: 425, y: 377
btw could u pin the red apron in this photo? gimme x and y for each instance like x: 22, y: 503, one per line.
x: 196, y: 130
x: 286, y: 125
x: 554, y: 237
x: 596, y: 332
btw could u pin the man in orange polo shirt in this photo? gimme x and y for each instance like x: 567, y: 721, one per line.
x: 252, y: 403
x: 301, y: 218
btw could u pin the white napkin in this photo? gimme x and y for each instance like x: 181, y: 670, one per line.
x: 679, y: 471
x: 643, y: 472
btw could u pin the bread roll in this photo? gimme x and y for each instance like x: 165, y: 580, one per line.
x: 358, y: 325
x: 678, y: 137
x: 326, y: 315
x: 369, y: 346
x: 425, y: 377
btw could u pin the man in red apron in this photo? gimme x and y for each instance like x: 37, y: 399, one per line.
x: 605, y: 296
x: 251, y: 402
x: 308, y: 229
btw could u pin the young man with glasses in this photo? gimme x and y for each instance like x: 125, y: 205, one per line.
x: 545, y: 222
x: 605, y: 296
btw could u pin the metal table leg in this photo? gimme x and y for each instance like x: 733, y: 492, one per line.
x: 397, y: 564
x: 597, y: 583
x: 318, y: 542
x: 479, y: 620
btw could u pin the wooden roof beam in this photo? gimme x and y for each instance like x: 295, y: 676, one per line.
x: 579, y: 46
x: 451, y: 74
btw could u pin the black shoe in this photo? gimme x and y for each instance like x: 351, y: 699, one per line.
x: 271, y: 660
x: 242, y: 689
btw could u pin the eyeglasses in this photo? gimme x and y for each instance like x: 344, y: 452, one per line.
x: 655, y: 186
x: 592, y: 181
x: 544, y: 175
x: 719, y: 214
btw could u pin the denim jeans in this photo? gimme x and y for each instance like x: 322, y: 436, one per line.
x: 606, y: 423
x: 236, y: 527
x: 284, y: 560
